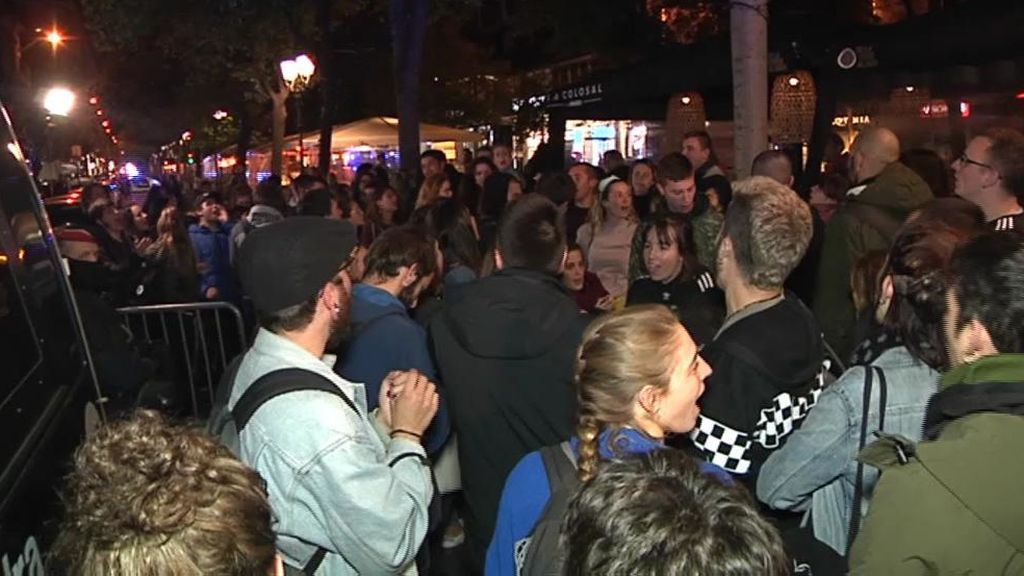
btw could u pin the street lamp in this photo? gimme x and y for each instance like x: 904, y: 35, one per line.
x: 59, y: 101
x: 220, y: 115
x: 53, y: 36
x: 297, y: 74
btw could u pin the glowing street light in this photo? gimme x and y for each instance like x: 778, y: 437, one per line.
x: 297, y: 74
x: 59, y: 101
x: 220, y: 115
x: 94, y: 100
x: 55, y: 38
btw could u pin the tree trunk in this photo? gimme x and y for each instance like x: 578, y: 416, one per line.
x: 278, y: 98
x: 408, y: 28
x: 244, y: 138
x: 749, y: 35
x: 326, y: 57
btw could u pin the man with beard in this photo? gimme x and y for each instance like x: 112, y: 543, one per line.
x: 350, y: 488
x: 400, y: 265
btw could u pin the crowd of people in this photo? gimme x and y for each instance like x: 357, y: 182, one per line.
x: 636, y: 368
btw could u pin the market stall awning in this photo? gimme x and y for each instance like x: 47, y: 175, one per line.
x: 377, y: 132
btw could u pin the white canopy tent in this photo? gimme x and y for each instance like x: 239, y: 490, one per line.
x: 376, y: 132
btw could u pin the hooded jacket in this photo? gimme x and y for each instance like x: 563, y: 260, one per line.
x: 505, y: 350
x: 385, y: 338
x: 894, y: 194
x: 953, y: 504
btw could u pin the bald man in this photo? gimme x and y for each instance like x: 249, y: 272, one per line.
x: 885, y: 192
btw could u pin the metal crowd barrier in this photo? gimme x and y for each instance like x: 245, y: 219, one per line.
x: 199, y: 338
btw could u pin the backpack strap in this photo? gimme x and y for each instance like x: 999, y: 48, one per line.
x: 277, y: 383
x: 559, y: 465
x: 870, y: 372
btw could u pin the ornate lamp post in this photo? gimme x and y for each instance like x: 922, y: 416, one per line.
x: 297, y: 75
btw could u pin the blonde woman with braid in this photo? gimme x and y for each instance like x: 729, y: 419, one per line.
x: 638, y: 377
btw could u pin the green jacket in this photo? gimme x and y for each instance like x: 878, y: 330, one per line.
x: 953, y: 505
x: 894, y: 194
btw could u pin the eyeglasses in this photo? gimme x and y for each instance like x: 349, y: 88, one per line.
x: 965, y: 160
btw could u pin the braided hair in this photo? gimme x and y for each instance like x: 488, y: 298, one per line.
x: 621, y: 353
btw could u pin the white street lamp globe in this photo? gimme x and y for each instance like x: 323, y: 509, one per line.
x: 59, y: 101
x: 289, y: 70
x: 305, y: 66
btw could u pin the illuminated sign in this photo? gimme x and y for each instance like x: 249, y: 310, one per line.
x: 844, y: 121
x: 575, y: 96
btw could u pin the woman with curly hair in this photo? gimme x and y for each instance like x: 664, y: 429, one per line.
x: 638, y: 378
x: 148, y: 498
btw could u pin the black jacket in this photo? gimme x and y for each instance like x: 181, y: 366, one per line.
x: 505, y: 351
x: 699, y: 306
x: 767, y: 374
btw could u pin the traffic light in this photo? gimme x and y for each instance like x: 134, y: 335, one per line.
x: 191, y: 158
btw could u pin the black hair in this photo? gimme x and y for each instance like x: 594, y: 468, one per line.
x: 436, y: 155
x: 530, y: 235
x: 495, y: 195
x: 987, y: 279
x: 290, y: 319
x: 400, y: 247
x: 557, y: 187
x: 774, y: 164
x: 446, y: 220
x: 674, y: 167
x: 672, y: 229
x: 931, y: 168
x: 658, y: 513
x: 306, y: 181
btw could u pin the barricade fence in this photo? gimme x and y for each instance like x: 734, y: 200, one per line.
x: 190, y: 345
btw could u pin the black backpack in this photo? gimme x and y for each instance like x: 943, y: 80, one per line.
x: 228, y: 424
x: 543, y: 555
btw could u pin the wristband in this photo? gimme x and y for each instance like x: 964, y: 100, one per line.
x: 406, y: 432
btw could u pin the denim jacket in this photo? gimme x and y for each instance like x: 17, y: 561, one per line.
x: 816, y: 469
x: 334, y: 479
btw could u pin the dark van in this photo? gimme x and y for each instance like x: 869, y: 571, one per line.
x: 48, y: 389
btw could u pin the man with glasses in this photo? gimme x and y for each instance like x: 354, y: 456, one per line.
x: 350, y: 489
x: 990, y: 173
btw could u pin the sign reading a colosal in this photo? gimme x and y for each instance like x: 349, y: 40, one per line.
x: 575, y: 96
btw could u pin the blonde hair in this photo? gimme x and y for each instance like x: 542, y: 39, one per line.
x: 620, y: 354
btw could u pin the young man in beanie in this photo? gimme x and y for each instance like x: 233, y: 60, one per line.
x: 348, y: 487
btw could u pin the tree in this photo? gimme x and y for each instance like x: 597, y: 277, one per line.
x: 749, y: 25
x: 225, y: 46
x: 408, y: 28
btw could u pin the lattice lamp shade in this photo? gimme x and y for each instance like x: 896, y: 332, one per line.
x: 792, y: 107
x: 684, y: 112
